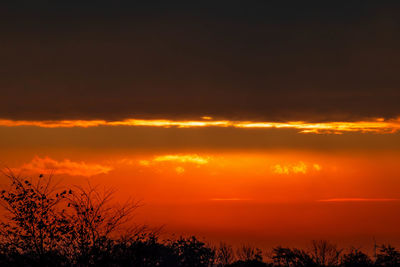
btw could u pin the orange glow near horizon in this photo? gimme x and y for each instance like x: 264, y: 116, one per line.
x: 207, y: 175
x: 369, y: 126
x: 238, y: 195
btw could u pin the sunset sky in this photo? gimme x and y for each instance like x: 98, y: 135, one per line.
x: 241, y: 121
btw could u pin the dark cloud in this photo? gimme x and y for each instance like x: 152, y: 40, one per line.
x: 236, y: 59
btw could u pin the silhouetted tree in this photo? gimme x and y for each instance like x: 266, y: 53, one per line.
x: 291, y: 257
x: 48, y: 226
x: 191, y: 252
x: 35, y: 227
x: 95, y: 220
x: 248, y: 256
x: 144, y: 250
x: 248, y: 253
x: 45, y: 226
x: 249, y: 263
x: 356, y: 258
x: 325, y: 253
x: 225, y: 254
x: 387, y: 256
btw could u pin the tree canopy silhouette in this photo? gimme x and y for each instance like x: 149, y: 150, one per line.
x: 44, y: 224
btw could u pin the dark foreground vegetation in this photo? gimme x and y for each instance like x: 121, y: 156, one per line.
x: 43, y: 225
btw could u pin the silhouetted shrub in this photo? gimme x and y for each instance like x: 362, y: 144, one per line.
x: 388, y: 256
x: 48, y: 226
x: 291, y: 257
x: 356, y: 258
x: 225, y: 254
x: 191, y: 252
x: 95, y: 222
x: 249, y: 263
x: 324, y: 253
x: 248, y: 253
x: 35, y: 228
x: 45, y: 226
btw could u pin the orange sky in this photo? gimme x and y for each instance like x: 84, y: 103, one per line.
x: 281, y: 193
x: 256, y: 122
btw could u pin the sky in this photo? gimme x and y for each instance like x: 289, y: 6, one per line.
x: 241, y: 121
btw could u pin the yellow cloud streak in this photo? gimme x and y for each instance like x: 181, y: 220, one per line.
x: 299, y: 167
x: 183, y: 158
x: 372, y: 126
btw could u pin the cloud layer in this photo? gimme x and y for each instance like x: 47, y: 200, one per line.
x: 299, y: 167
x: 48, y: 165
x: 177, y: 159
x: 263, y: 61
x: 379, y: 125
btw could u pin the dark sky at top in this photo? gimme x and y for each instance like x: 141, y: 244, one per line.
x: 261, y: 60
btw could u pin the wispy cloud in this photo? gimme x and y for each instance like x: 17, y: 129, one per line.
x: 176, y: 158
x: 299, y: 167
x: 179, y: 170
x: 179, y: 158
x: 191, y: 158
x: 317, y: 167
x: 359, y: 200
x: 66, y: 166
x: 144, y: 162
x: 378, y: 125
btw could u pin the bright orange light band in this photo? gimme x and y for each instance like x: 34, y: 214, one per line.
x: 374, y: 126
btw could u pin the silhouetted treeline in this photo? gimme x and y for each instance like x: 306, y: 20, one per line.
x: 46, y: 226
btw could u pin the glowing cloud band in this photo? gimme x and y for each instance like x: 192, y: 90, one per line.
x: 371, y: 126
